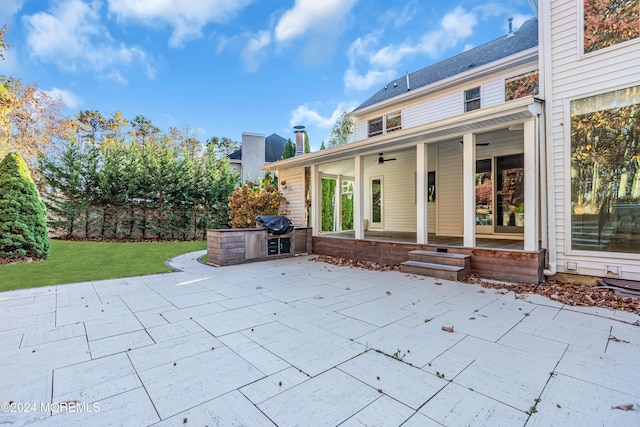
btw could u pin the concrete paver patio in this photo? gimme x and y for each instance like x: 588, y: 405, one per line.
x: 298, y: 343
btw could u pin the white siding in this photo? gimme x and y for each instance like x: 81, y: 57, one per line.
x: 446, y: 103
x: 398, y: 186
x: 360, y: 131
x: 294, y: 192
x: 576, y: 76
x: 449, y: 189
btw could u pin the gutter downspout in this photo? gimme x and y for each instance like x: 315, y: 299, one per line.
x: 548, y: 169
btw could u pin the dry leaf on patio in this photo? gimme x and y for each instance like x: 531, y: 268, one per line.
x: 388, y: 293
x: 472, y: 318
x: 437, y: 282
x: 624, y: 406
x: 447, y: 328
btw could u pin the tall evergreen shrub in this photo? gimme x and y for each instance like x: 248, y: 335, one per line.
x: 23, y: 221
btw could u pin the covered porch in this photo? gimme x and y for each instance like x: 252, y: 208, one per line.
x: 470, y: 184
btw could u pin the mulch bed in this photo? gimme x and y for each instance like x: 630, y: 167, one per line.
x: 566, y: 293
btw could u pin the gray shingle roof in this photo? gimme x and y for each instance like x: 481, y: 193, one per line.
x: 273, y: 148
x: 525, y: 38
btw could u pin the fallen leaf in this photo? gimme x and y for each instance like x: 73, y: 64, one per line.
x: 184, y: 421
x: 558, y: 405
x: 379, y: 390
x: 481, y: 291
x: 447, y: 328
x: 472, y: 318
x: 388, y: 293
x: 624, y: 406
x: 437, y: 282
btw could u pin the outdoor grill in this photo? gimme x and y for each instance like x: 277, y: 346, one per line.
x: 279, y: 233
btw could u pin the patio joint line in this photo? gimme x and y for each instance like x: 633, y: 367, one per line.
x: 551, y: 375
x: 524, y: 316
x: 144, y: 387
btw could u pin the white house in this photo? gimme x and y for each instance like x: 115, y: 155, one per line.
x: 472, y: 118
x: 496, y: 154
x: 592, y: 96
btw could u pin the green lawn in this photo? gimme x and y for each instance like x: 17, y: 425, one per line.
x: 72, y: 262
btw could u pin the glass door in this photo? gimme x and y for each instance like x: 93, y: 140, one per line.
x: 510, y: 194
x: 376, y: 203
x: 484, y: 197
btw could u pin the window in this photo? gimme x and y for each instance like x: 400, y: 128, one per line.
x: 394, y: 121
x: 472, y: 99
x: 609, y: 22
x: 375, y: 127
x: 376, y: 202
x: 605, y: 172
x: 389, y: 123
x: 521, y: 86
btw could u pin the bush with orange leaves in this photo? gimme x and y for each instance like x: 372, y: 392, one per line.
x: 252, y: 200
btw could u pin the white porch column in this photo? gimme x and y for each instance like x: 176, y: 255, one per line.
x: 469, y: 190
x: 316, y: 200
x: 337, y: 214
x: 358, y: 198
x: 422, y: 232
x: 531, y: 186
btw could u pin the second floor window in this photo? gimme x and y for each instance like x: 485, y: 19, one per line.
x: 385, y: 124
x: 472, y: 99
x: 375, y: 127
x: 394, y: 121
x: 609, y: 22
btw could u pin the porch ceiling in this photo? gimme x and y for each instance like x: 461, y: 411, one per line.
x: 496, y: 117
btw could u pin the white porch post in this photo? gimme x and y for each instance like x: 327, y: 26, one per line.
x: 358, y: 198
x: 469, y: 190
x: 316, y: 200
x: 531, y: 186
x: 422, y: 232
x: 337, y: 214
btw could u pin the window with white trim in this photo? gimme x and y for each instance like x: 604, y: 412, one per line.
x: 472, y: 99
x: 609, y: 22
x: 388, y: 123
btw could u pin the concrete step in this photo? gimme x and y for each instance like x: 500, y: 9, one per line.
x: 443, y: 258
x: 441, y: 271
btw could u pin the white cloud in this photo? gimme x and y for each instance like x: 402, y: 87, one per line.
x: 186, y: 17
x: 355, y: 81
x: 253, y: 51
x: 454, y: 27
x: 70, y: 99
x: 324, y: 16
x: 73, y: 37
x: 307, y: 116
x: 8, y: 8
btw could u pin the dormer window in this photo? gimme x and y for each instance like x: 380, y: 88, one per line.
x: 388, y: 123
x: 472, y: 99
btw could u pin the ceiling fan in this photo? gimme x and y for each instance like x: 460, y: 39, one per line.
x: 381, y: 159
x: 478, y: 144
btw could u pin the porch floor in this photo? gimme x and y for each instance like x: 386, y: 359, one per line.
x: 407, y: 237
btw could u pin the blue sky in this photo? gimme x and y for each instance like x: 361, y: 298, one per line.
x: 223, y: 67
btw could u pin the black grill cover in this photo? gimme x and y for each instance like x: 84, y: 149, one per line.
x: 275, y: 224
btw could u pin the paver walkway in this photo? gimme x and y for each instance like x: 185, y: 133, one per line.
x: 293, y: 342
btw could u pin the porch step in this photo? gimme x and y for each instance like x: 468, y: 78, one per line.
x: 443, y: 258
x: 441, y: 271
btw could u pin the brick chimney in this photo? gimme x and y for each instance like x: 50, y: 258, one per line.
x: 299, y: 131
